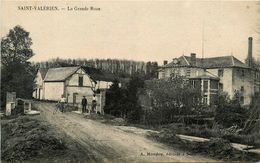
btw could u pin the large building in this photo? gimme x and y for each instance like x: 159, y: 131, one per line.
x: 225, y: 73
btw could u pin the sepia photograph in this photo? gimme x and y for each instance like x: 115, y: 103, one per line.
x: 130, y: 81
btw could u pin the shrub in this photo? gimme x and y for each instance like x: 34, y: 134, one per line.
x: 229, y: 112
x: 123, y: 102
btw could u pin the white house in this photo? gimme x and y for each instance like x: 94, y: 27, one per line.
x: 72, y: 82
x: 38, y: 88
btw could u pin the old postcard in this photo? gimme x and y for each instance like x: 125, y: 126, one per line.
x: 130, y: 81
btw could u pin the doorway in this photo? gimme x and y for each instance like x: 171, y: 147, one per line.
x: 75, y: 98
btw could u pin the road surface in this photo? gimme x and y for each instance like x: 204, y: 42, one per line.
x: 106, y: 143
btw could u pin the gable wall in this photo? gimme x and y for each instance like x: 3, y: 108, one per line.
x: 74, y: 79
x: 38, y: 80
x: 75, y: 92
x: 38, y: 91
x: 53, y: 90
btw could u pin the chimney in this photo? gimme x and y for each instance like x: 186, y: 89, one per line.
x: 193, y: 59
x: 249, y: 59
x: 165, y: 62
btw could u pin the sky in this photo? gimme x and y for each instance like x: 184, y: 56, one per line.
x: 136, y: 30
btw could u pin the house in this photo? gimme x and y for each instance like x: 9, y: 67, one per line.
x: 38, y: 88
x: 73, y: 82
x: 225, y: 73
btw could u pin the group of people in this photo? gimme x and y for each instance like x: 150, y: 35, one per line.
x: 84, y: 103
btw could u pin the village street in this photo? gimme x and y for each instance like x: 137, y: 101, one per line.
x: 109, y: 143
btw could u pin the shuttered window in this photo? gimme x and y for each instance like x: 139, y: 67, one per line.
x: 80, y: 81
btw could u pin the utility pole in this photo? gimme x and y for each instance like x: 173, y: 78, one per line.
x: 202, y: 43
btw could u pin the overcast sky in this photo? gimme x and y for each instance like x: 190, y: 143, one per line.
x: 144, y: 31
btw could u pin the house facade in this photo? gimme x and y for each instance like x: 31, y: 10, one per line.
x: 72, y: 82
x: 233, y: 76
x: 38, y: 92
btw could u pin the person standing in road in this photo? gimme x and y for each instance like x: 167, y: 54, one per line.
x: 84, y: 103
x: 94, y: 103
x: 62, y: 102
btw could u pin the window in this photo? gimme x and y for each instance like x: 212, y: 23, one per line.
x: 205, y: 86
x: 80, y: 81
x: 243, y: 72
x: 242, y: 89
x: 205, y: 99
x: 188, y: 72
x: 220, y: 72
x: 220, y: 86
x: 161, y: 75
x: 213, y: 84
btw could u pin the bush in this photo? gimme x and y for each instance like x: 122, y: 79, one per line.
x: 169, y: 98
x: 123, y: 102
x: 24, y: 138
x: 229, y: 112
x: 215, y: 147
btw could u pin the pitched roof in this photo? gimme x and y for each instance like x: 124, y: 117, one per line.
x: 98, y: 75
x: 182, y: 61
x: 43, y: 72
x: 60, y: 74
x: 206, y: 75
x: 214, y: 62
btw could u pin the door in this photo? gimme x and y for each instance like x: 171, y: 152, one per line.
x: 39, y: 97
x: 75, y: 98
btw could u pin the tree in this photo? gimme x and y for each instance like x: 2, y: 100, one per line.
x: 252, y: 124
x: 171, y: 97
x: 229, y: 111
x: 15, y: 47
x: 17, y: 72
x: 151, y: 70
x: 115, y: 100
x: 123, y: 102
x: 132, y: 108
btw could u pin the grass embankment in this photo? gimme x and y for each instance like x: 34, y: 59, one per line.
x: 26, y: 138
x: 217, y: 147
x: 33, y: 139
x: 214, y: 132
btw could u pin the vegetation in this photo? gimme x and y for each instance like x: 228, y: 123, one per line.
x: 27, y: 138
x: 17, y: 72
x: 229, y: 112
x: 252, y: 123
x: 123, y: 102
x: 122, y: 68
x: 216, y: 147
x: 171, y: 98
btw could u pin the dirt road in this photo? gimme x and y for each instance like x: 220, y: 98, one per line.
x: 101, y: 142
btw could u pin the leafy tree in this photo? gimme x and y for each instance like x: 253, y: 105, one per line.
x: 115, y: 100
x: 151, y: 70
x: 123, y: 102
x: 17, y: 72
x: 229, y: 112
x: 133, y: 109
x: 252, y: 124
x: 175, y: 92
x: 170, y: 97
x: 15, y: 47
